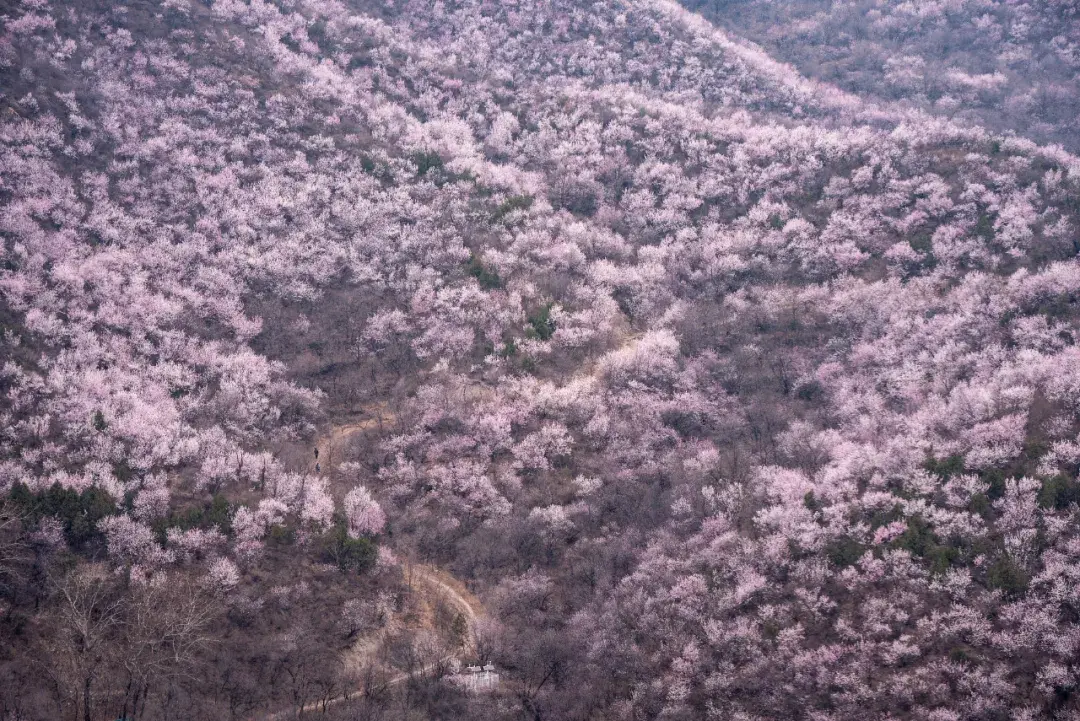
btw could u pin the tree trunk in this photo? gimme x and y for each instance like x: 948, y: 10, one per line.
x: 127, y: 696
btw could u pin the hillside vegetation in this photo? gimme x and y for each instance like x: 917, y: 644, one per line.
x: 726, y: 392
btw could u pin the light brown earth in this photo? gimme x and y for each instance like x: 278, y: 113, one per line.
x: 429, y: 585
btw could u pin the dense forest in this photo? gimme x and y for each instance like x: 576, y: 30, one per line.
x: 1007, y: 66
x: 507, y: 360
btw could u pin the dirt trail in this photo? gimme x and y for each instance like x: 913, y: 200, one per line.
x: 450, y: 589
x: 431, y: 581
x: 439, y: 584
x: 331, y: 445
x: 442, y: 585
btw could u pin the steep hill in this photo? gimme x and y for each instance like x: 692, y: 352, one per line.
x: 730, y: 393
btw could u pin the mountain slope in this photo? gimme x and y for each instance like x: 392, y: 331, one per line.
x: 730, y: 393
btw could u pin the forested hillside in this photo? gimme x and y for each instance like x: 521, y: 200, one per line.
x: 346, y: 343
x: 1008, y: 66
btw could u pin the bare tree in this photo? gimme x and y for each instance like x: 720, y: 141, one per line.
x: 87, y: 616
x: 13, y: 552
x: 166, y: 625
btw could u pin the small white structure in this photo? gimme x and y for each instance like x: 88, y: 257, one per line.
x: 477, y: 679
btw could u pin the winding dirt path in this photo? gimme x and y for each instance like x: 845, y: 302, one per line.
x: 450, y: 589
x: 331, y: 444
x: 442, y: 585
x: 438, y: 583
